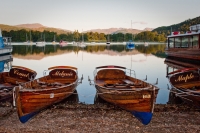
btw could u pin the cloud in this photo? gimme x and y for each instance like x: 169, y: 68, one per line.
x: 139, y: 22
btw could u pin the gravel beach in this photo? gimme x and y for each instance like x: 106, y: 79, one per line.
x: 100, y: 118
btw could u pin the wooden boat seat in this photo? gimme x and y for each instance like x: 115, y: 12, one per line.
x: 6, y: 86
x: 110, y: 74
x: 36, y: 84
x: 123, y: 85
x: 13, y: 80
x: 128, y: 81
x: 63, y: 81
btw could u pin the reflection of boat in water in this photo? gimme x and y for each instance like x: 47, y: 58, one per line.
x: 16, y: 75
x: 98, y: 99
x: 33, y: 96
x: 72, y: 98
x: 134, y: 95
x: 173, y: 99
x: 184, y: 81
x: 130, y: 45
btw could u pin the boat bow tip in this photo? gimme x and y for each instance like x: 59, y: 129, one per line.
x: 144, y: 117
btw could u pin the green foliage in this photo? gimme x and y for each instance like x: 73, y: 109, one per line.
x: 182, y: 27
x: 157, y: 35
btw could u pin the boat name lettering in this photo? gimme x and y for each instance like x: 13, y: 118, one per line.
x: 63, y: 74
x: 184, y: 78
x: 21, y: 74
x: 147, y: 96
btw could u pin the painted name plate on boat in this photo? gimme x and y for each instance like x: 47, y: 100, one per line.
x: 62, y: 73
x: 147, y: 96
x: 21, y: 74
x: 184, y: 77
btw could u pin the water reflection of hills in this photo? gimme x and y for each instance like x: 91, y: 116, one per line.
x: 27, y: 51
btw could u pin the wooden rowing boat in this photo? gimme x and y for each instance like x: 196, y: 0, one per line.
x: 33, y: 96
x: 186, y: 82
x: 8, y: 80
x: 115, y: 86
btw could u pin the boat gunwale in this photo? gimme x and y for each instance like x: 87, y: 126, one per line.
x: 22, y: 89
x: 130, y: 89
x: 62, y: 67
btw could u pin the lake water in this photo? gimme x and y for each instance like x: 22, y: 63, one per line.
x: 143, y: 60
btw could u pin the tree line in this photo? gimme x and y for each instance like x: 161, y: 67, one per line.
x: 157, y: 35
x: 182, y: 27
x: 24, y: 35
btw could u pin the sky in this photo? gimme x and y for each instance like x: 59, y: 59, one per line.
x: 83, y: 15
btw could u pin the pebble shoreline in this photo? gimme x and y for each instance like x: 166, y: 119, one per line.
x: 99, y: 118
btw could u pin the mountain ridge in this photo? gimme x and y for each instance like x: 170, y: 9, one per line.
x: 41, y: 28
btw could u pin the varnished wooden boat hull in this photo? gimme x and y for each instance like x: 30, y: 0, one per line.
x: 33, y: 96
x: 186, y: 82
x: 8, y: 80
x: 140, y: 100
x: 139, y: 103
x: 31, y: 102
x: 131, y: 94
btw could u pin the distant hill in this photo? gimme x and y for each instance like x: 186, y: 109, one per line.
x: 118, y: 30
x: 30, y: 26
x: 41, y: 28
x: 105, y: 31
x: 9, y: 28
x: 124, y: 31
x: 34, y: 26
x: 182, y: 27
x: 148, y: 29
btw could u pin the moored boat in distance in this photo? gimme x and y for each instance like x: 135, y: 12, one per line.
x: 130, y: 44
x: 63, y: 43
x: 134, y: 95
x: 146, y: 44
x: 31, y: 97
x: 5, y: 45
x: 185, y: 45
x: 186, y: 83
x: 54, y: 40
x: 15, y: 76
x: 107, y: 42
x: 41, y: 43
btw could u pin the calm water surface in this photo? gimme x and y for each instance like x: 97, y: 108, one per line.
x: 144, y: 60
